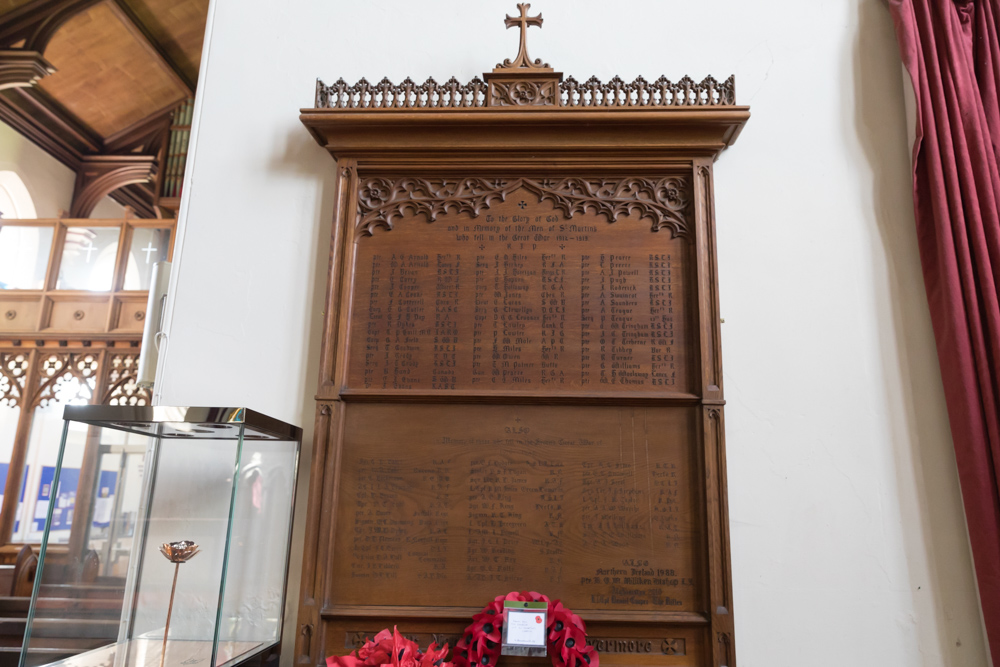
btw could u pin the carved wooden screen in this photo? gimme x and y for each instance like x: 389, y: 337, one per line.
x: 37, y: 374
x: 521, y: 379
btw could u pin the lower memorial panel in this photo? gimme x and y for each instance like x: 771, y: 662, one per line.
x: 452, y: 505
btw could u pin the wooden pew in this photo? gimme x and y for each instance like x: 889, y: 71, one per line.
x: 70, y: 618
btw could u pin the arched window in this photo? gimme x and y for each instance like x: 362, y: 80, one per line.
x: 15, y: 201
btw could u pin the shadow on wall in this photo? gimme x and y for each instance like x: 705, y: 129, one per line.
x: 948, y: 623
x: 303, y: 158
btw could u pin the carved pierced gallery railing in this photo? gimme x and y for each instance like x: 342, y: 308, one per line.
x: 590, y: 94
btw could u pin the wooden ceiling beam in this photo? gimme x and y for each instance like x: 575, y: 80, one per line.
x: 42, y: 120
x: 47, y: 106
x: 124, y: 164
x: 142, y: 34
x: 139, y: 196
x: 38, y: 133
x: 145, y: 134
x: 100, y: 175
x: 36, y: 21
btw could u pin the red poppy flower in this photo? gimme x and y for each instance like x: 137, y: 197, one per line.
x: 573, y: 641
x: 434, y: 657
x: 391, y: 649
x: 461, y: 654
x: 343, y: 661
x: 486, y: 630
x: 377, y: 651
x: 404, y: 651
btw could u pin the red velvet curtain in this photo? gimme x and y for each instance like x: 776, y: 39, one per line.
x: 951, y: 51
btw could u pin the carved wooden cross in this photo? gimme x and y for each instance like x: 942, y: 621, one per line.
x: 524, y: 21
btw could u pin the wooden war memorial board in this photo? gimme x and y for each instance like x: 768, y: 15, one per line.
x: 520, y: 375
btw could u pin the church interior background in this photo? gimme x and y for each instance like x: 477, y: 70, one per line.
x: 136, y: 131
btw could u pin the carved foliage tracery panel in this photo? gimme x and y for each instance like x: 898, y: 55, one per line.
x: 121, y: 388
x: 13, y: 367
x: 66, y: 377
x: 523, y: 93
x: 665, y: 201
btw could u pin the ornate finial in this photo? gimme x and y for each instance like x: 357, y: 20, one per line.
x: 523, y: 61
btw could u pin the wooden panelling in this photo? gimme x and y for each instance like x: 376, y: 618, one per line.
x: 76, y: 314
x: 19, y: 312
x: 54, y: 314
x: 105, y: 76
x: 178, y: 26
x: 128, y: 314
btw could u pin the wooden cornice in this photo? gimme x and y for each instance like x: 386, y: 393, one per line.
x: 142, y: 34
x: 489, y: 134
x: 526, y: 112
x: 62, y: 341
x: 21, y: 69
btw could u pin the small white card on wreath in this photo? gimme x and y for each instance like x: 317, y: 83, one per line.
x: 524, y: 626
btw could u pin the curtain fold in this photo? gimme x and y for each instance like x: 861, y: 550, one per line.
x: 951, y: 51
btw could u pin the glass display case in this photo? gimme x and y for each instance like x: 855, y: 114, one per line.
x: 166, y: 538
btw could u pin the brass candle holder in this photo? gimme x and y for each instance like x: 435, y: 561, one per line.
x: 177, y: 553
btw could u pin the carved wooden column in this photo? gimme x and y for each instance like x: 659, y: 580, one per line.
x: 15, y: 471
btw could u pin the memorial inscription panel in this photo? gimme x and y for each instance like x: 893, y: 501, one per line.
x: 521, y: 298
x: 520, y: 380
x: 521, y: 289
x: 593, y: 505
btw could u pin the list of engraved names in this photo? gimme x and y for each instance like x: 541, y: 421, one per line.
x: 592, y: 504
x: 519, y: 299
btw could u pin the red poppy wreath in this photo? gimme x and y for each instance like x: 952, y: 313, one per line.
x: 392, y: 649
x: 565, y: 632
x: 479, y: 646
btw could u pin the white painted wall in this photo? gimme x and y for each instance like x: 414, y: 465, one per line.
x: 108, y: 208
x: 849, y: 544
x: 49, y: 181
